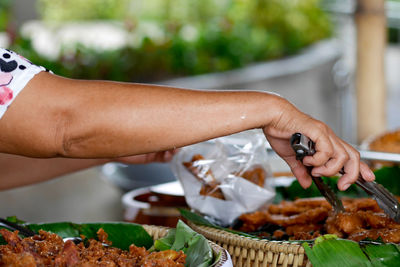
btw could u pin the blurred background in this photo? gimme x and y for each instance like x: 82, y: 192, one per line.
x: 304, y: 50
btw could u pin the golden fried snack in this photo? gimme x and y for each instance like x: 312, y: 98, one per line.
x: 300, y: 205
x: 210, y: 185
x: 303, y: 228
x: 349, y: 222
x: 47, y: 249
x: 308, y: 218
x: 387, y: 235
x: 256, y: 176
x: 388, y: 142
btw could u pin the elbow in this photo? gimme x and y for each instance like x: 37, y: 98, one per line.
x: 65, y: 135
x: 76, y: 137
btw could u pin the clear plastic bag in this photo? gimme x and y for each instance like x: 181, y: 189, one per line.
x: 225, y: 177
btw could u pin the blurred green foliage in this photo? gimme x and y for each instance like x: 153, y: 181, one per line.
x: 199, y: 36
x: 5, y: 10
x: 67, y: 10
x: 389, y: 177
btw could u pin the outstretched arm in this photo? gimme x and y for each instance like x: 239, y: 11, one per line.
x: 54, y: 116
x: 19, y: 170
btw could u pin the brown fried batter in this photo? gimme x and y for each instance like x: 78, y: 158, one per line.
x: 387, y: 142
x: 47, y: 249
x: 303, y: 228
x: 210, y: 185
x: 300, y: 205
x: 308, y: 218
x: 349, y: 222
x: 256, y: 176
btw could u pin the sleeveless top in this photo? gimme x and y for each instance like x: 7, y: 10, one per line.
x: 15, y: 73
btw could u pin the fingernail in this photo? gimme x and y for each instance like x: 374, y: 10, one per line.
x: 345, y: 186
x: 317, y: 175
x: 371, y: 174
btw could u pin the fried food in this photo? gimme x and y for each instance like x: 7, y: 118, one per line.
x: 210, y: 185
x: 387, y: 142
x: 48, y: 249
x: 304, y: 219
x: 255, y: 175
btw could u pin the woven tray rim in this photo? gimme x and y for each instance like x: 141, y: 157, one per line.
x: 223, y: 236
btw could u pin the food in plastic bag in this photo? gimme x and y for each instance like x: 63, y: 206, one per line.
x: 225, y: 177
x: 211, y: 185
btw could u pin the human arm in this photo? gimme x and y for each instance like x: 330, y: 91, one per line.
x: 19, y: 170
x: 97, y: 119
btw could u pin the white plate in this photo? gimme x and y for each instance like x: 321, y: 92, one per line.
x: 171, y: 188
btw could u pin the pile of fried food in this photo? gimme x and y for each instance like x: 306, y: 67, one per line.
x: 48, y: 249
x: 305, y: 219
x: 387, y: 142
x: 211, y: 186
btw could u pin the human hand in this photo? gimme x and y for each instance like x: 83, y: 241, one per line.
x: 162, y: 156
x: 331, y: 155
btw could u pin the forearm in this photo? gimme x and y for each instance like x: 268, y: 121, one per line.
x: 17, y: 170
x: 106, y: 119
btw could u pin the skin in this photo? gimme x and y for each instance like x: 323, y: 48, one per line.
x: 37, y: 170
x: 107, y: 120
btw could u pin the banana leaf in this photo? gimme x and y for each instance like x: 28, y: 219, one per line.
x: 121, y: 234
x: 194, y: 245
x: 329, y: 251
x: 389, y: 177
x: 200, y: 220
x: 382, y: 254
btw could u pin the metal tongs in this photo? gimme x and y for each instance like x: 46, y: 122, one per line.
x: 303, y: 146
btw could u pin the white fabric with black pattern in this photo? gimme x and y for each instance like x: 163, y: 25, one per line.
x: 15, y: 73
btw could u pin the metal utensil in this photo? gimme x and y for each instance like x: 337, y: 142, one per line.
x: 25, y: 231
x: 383, y: 197
x: 303, y: 146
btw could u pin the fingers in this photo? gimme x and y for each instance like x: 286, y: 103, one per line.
x: 351, y: 168
x: 331, y: 155
x: 169, y: 154
x: 162, y: 156
x: 338, y: 154
x: 347, y: 157
x: 324, y: 151
x: 299, y: 171
x: 366, y: 173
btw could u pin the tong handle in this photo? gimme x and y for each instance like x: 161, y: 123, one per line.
x: 25, y: 231
x: 304, y: 146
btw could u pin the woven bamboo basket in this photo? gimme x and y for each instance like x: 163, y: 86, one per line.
x: 251, y: 252
x: 157, y: 232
